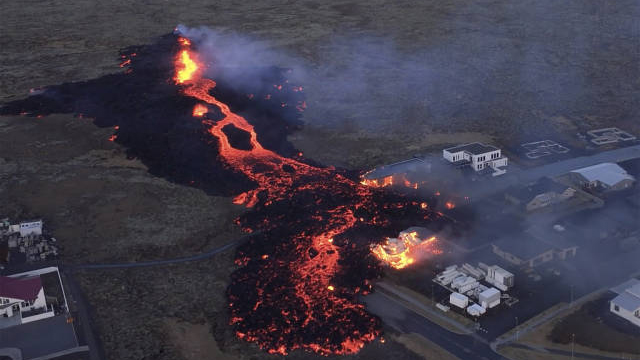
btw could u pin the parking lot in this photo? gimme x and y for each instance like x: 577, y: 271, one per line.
x: 40, y: 337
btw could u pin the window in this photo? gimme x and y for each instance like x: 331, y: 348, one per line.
x: 616, y: 308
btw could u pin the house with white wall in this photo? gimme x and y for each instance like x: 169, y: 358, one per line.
x: 627, y: 303
x: 30, y: 227
x: 23, y: 297
x: 477, y: 155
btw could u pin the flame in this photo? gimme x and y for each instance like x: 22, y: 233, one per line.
x: 199, y: 110
x: 187, y: 67
x: 402, y: 251
x: 449, y: 205
x: 389, y: 181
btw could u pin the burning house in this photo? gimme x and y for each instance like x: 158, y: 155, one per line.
x: 478, y: 156
x: 397, y: 173
x: 406, y: 249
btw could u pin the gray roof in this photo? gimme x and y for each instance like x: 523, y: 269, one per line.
x: 627, y: 301
x: 473, y: 148
x: 527, y: 193
x: 525, y: 247
x: 609, y: 174
x: 625, y: 285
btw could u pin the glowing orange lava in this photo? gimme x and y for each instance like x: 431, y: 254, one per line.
x: 199, y: 110
x: 187, y: 67
x: 391, y: 180
x: 403, y: 251
x: 314, y: 272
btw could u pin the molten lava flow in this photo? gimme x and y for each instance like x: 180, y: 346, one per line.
x: 402, y: 251
x: 294, y: 296
x: 199, y: 110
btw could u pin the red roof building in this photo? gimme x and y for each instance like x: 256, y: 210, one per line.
x: 25, y: 289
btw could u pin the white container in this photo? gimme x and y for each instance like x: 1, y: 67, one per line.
x: 458, y: 300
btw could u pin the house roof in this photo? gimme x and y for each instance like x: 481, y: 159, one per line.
x: 20, y: 288
x: 627, y: 301
x: 525, y: 247
x: 490, y: 292
x: 634, y: 290
x: 609, y: 174
x: 473, y: 148
x: 527, y: 193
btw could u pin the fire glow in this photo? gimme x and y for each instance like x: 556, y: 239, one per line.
x: 390, y: 180
x: 199, y: 110
x: 311, y: 308
x: 404, y: 250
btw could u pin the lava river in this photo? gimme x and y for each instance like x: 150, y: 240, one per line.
x: 299, y: 280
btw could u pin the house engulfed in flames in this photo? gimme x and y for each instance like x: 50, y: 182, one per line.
x: 406, y: 249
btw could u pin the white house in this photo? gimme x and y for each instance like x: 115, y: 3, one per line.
x: 479, y: 156
x: 31, y: 227
x: 627, y: 303
x: 24, y: 297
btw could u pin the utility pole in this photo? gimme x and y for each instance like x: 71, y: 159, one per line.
x: 517, y: 330
x: 573, y: 340
x: 432, y: 297
x: 571, y: 303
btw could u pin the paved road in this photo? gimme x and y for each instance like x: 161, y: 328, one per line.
x: 40, y: 337
x: 577, y: 355
x: 82, y: 317
x: 393, y: 313
x: 201, y: 256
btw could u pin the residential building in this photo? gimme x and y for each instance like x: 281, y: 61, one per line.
x: 604, y: 177
x: 23, y: 297
x: 30, y: 227
x: 529, y: 251
x: 539, y: 195
x: 477, y: 155
x: 627, y: 303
